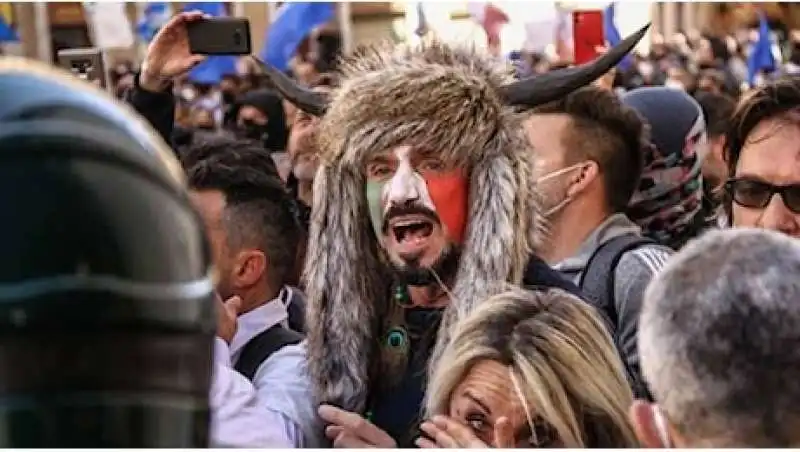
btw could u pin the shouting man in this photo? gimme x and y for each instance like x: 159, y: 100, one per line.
x: 423, y: 199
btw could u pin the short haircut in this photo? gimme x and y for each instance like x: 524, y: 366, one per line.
x: 718, y: 340
x: 717, y: 110
x: 605, y: 130
x: 259, y: 212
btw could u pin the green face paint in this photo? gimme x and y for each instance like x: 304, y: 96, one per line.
x: 374, y: 192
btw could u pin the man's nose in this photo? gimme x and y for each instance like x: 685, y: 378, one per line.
x: 404, y: 188
x: 778, y: 217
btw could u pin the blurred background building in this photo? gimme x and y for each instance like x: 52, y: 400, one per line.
x: 45, y: 27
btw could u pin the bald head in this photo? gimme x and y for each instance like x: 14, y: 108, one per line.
x: 719, y: 339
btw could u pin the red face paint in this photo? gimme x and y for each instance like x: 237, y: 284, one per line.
x: 449, y: 193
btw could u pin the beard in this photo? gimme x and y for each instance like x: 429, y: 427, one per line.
x: 412, y: 274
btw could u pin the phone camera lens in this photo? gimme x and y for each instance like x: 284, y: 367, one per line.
x: 237, y: 38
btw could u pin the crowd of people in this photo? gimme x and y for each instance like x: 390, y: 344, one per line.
x: 413, y: 247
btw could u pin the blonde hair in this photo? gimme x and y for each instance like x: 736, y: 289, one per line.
x: 561, y: 354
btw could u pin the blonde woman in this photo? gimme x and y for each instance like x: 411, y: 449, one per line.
x: 529, y: 369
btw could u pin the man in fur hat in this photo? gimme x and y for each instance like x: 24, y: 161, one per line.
x: 424, y: 197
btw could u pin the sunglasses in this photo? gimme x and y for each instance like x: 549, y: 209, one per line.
x: 757, y: 194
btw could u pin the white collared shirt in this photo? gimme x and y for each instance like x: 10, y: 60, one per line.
x: 280, y: 393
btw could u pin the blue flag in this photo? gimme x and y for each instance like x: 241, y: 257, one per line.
x: 292, y: 24
x: 214, y: 67
x: 156, y: 15
x: 761, y: 58
x: 612, y: 34
x: 7, y: 32
x: 216, y: 9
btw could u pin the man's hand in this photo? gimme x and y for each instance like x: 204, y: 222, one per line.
x: 168, y: 55
x: 447, y: 433
x: 351, y: 431
x: 227, y: 313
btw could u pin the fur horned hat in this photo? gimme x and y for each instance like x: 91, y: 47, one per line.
x: 445, y: 98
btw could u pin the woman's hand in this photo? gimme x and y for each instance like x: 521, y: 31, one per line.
x: 168, y: 55
x: 351, y: 431
x: 447, y: 433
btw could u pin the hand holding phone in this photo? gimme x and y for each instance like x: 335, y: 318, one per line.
x: 86, y: 64
x: 219, y: 36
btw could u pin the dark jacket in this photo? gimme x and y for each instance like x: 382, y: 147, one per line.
x: 157, y: 108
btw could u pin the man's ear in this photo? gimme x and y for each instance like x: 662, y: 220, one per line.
x: 583, y: 178
x: 642, y: 417
x: 251, y: 265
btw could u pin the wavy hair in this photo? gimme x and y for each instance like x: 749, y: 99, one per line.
x: 561, y: 355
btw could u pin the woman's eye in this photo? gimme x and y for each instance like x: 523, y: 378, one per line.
x: 477, y: 422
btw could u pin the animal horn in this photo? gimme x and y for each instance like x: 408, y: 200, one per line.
x: 305, y: 99
x: 541, y: 89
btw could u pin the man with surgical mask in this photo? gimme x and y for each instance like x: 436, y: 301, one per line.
x: 589, y: 152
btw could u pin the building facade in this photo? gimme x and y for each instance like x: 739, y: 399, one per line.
x: 44, y: 28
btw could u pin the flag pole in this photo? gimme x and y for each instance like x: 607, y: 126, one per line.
x: 41, y: 18
x: 345, y: 19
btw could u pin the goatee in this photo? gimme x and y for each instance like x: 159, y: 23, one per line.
x: 444, y: 269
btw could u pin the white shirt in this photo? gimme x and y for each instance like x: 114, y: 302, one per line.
x: 277, y: 410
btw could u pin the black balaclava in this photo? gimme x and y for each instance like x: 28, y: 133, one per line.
x: 274, y: 134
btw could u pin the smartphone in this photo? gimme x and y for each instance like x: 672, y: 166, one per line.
x: 587, y: 35
x: 86, y: 64
x: 219, y: 36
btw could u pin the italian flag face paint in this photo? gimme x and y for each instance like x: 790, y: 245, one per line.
x: 448, y: 192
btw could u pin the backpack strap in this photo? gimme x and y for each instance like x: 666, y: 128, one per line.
x: 597, y: 284
x: 261, y: 347
x: 597, y: 280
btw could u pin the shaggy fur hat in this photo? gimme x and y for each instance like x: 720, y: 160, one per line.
x: 454, y: 100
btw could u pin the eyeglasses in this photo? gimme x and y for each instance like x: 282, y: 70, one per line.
x: 757, y: 194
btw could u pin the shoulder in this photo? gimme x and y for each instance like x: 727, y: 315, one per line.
x: 286, y: 386
x: 540, y: 275
x: 649, y: 259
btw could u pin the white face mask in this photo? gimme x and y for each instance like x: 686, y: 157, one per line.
x: 674, y: 84
x: 553, y: 175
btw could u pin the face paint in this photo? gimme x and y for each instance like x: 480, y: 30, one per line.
x: 449, y: 194
x: 445, y: 194
x: 374, y: 196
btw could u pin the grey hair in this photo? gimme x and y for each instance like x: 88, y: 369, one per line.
x: 719, y: 340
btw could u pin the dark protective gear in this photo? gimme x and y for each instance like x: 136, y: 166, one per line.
x: 106, y: 304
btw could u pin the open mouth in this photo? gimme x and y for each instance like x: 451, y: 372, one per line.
x: 411, y: 229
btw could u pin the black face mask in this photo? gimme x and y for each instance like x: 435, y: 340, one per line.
x: 253, y: 130
x: 228, y: 98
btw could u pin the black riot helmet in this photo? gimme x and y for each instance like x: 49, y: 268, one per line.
x: 106, y: 303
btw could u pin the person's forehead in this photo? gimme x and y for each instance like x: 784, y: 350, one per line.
x: 210, y: 204
x: 405, y: 152
x: 772, y: 152
x: 545, y: 132
x: 249, y: 110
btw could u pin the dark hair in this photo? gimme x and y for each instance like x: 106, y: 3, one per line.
x: 774, y: 99
x: 603, y: 129
x: 258, y: 212
x: 717, y: 111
